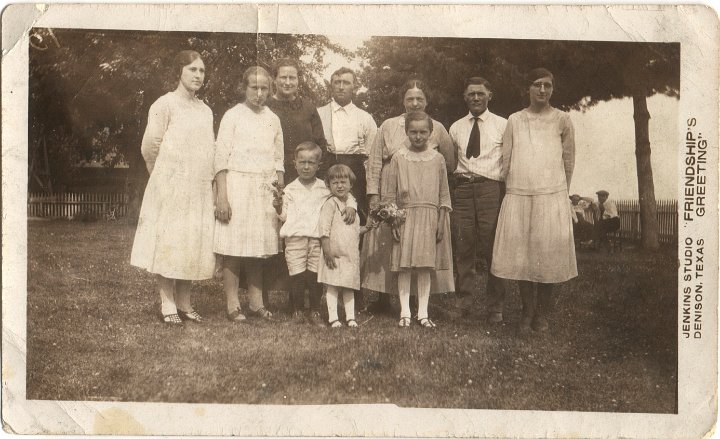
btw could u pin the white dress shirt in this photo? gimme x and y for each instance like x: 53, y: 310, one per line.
x: 489, y: 162
x: 348, y: 129
x: 301, y: 208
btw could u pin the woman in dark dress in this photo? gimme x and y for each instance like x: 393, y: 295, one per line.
x: 298, y: 117
x: 300, y: 123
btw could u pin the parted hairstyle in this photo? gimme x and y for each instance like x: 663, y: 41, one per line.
x: 309, y: 146
x: 414, y: 116
x: 477, y: 80
x: 249, y: 72
x: 415, y: 83
x: 287, y: 62
x: 183, y: 58
x: 339, y: 171
x: 538, y: 73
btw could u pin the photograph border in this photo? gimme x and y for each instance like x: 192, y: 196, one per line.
x: 695, y: 27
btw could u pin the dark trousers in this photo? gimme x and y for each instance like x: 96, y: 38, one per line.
x: 605, y: 226
x: 582, y: 230
x: 298, y: 284
x: 356, y: 162
x: 476, y: 206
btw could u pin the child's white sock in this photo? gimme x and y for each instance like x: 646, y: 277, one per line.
x: 404, y: 293
x: 332, y: 301
x: 349, y: 303
x: 423, y: 281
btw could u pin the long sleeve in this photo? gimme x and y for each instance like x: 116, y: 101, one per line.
x: 326, y: 216
x: 287, y: 198
x: 568, y: 148
x: 444, y: 187
x: 158, y: 121
x: 316, y: 127
x: 446, y: 147
x: 611, y: 210
x: 279, y: 148
x: 391, y: 194
x: 371, y: 130
x: 375, y: 162
x: 223, y: 144
x: 507, y: 149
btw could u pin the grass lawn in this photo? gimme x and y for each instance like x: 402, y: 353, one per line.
x: 94, y: 333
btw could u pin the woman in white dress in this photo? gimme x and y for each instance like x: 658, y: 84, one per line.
x: 249, y: 171
x: 534, y: 240
x: 174, y: 237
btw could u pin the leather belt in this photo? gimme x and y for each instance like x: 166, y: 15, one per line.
x: 471, y: 178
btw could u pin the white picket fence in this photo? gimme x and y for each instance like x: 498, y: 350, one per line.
x: 629, y: 213
x: 70, y: 205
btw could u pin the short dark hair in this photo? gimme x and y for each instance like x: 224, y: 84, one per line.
x: 415, y: 116
x: 308, y: 146
x: 415, y: 83
x: 339, y: 171
x: 538, y: 73
x: 342, y: 71
x: 286, y: 62
x: 183, y: 58
x: 477, y: 80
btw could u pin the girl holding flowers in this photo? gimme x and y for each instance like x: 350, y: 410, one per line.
x: 417, y: 182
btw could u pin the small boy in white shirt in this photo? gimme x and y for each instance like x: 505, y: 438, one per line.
x: 299, y: 210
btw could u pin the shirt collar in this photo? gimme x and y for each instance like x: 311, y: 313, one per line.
x: 483, y: 116
x: 336, y: 107
x: 319, y: 183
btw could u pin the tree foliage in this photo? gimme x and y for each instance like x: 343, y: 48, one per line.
x: 586, y: 72
x: 90, y: 91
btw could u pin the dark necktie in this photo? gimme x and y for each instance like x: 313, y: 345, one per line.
x: 473, y: 147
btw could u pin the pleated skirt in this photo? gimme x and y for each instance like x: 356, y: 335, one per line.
x: 254, y: 227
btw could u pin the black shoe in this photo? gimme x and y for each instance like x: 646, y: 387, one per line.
x: 191, y: 316
x: 172, y: 320
x: 261, y: 313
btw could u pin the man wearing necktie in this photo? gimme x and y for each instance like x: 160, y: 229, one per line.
x: 477, y: 195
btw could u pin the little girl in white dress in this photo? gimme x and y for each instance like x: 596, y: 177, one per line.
x: 339, y: 250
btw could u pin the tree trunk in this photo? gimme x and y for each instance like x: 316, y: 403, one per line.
x: 646, y: 187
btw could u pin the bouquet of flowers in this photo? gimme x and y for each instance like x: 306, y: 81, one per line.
x: 278, y: 193
x: 388, y: 213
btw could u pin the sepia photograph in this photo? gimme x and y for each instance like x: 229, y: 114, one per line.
x: 384, y: 221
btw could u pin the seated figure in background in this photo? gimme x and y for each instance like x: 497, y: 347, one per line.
x: 608, y: 220
x: 582, y: 210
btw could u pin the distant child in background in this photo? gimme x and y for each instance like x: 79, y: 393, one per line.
x: 299, y: 210
x: 418, y: 183
x: 340, y: 243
